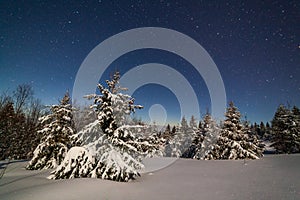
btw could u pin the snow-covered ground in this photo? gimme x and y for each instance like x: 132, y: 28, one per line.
x: 272, y: 177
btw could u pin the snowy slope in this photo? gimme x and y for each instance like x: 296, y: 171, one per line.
x: 272, y: 177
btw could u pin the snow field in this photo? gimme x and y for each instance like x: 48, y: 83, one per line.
x: 271, y: 177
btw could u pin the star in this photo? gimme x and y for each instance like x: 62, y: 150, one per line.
x: 254, y: 46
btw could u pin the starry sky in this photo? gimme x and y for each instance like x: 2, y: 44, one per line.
x: 255, y: 45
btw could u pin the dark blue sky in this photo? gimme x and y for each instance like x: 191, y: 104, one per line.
x: 255, y: 45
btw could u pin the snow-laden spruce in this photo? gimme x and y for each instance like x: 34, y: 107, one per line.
x: 234, y: 141
x: 173, y: 145
x: 57, y: 128
x: 77, y: 163
x: 116, y: 165
x: 116, y: 147
x: 178, y: 145
x: 92, y: 138
x: 286, y: 130
x: 206, y: 138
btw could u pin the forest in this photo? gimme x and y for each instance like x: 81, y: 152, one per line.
x: 103, y: 141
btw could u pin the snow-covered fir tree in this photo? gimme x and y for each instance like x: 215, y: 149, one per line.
x: 193, y: 122
x: 195, y: 139
x: 260, y: 130
x: 91, y: 142
x: 168, y: 136
x: 286, y: 130
x: 83, y: 115
x: 112, y: 147
x: 173, y: 143
x: 234, y: 142
x: 263, y: 131
x: 295, y: 129
x: 296, y: 117
x: 255, y: 129
x: 184, y: 125
x: 267, y: 134
x: 120, y: 162
x: 187, y: 134
x: 57, y: 129
x: 206, y: 138
x: 179, y: 144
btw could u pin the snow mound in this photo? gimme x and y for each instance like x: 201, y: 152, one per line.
x: 117, y: 166
x: 77, y: 164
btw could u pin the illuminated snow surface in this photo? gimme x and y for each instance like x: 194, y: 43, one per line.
x: 272, y: 177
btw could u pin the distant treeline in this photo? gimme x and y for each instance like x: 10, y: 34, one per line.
x: 20, y: 112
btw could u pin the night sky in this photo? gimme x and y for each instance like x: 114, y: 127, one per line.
x: 254, y: 44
